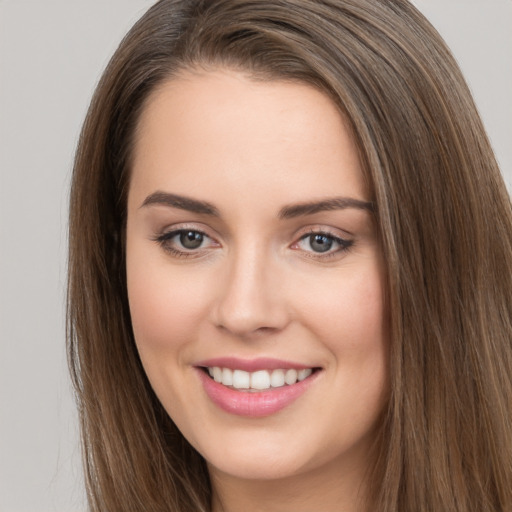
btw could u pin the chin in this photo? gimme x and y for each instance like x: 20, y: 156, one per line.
x: 259, y: 468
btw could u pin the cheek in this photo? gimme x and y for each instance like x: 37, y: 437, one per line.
x: 165, y: 304
x: 352, y: 322
x: 351, y: 316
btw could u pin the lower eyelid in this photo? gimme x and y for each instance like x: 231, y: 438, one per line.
x: 343, y: 247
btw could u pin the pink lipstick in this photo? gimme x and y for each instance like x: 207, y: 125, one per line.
x: 254, y: 388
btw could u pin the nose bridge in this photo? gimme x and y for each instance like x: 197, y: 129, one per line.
x: 249, y: 300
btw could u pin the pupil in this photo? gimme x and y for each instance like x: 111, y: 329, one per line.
x: 191, y: 239
x: 320, y: 243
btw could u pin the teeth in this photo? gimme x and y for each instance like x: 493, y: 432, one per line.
x: 303, y: 374
x: 241, y: 379
x: 217, y: 374
x: 227, y: 377
x: 290, y: 377
x: 277, y: 378
x: 259, y: 380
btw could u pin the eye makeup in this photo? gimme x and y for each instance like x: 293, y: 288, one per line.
x: 190, y: 242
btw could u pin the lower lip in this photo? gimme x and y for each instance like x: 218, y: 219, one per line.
x: 254, y: 404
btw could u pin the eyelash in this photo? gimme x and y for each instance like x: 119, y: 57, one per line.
x: 165, y: 241
x: 344, y: 244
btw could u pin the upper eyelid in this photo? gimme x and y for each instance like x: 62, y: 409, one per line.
x: 323, y: 233
x: 326, y: 230
x: 206, y: 228
x: 176, y: 228
x: 340, y: 240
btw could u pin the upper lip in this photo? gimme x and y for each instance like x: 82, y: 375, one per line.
x: 252, y: 365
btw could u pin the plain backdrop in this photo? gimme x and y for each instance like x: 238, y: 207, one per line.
x: 51, y: 55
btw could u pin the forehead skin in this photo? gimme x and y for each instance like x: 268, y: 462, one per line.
x: 257, y: 129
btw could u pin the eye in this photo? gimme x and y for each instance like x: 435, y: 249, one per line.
x: 321, y: 243
x: 185, y: 242
x: 190, y: 239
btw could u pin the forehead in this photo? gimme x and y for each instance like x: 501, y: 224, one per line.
x: 202, y: 129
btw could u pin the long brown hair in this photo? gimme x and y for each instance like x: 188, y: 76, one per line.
x: 444, y: 218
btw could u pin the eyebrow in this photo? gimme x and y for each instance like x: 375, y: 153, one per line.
x: 181, y: 202
x: 334, y: 203
x: 287, y: 212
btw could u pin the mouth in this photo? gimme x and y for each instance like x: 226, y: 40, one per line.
x: 255, y: 388
x: 260, y: 380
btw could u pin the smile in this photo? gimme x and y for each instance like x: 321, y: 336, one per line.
x: 258, y: 380
x: 256, y: 388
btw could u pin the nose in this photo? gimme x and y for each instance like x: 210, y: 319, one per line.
x: 251, y: 296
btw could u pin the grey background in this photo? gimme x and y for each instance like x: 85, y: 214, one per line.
x: 51, y: 56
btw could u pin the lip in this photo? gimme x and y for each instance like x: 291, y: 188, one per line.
x: 251, y: 365
x: 253, y: 404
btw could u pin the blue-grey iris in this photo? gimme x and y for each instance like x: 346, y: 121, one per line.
x: 320, y: 243
x: 191, y: 239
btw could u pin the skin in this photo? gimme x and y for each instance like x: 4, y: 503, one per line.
x: 257, y: 287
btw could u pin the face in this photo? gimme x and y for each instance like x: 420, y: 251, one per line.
x: 255, y: 276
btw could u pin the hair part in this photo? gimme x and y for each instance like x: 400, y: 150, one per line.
x: 443, y: 215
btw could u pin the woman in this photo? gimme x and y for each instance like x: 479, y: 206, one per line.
x: 290, y: 255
